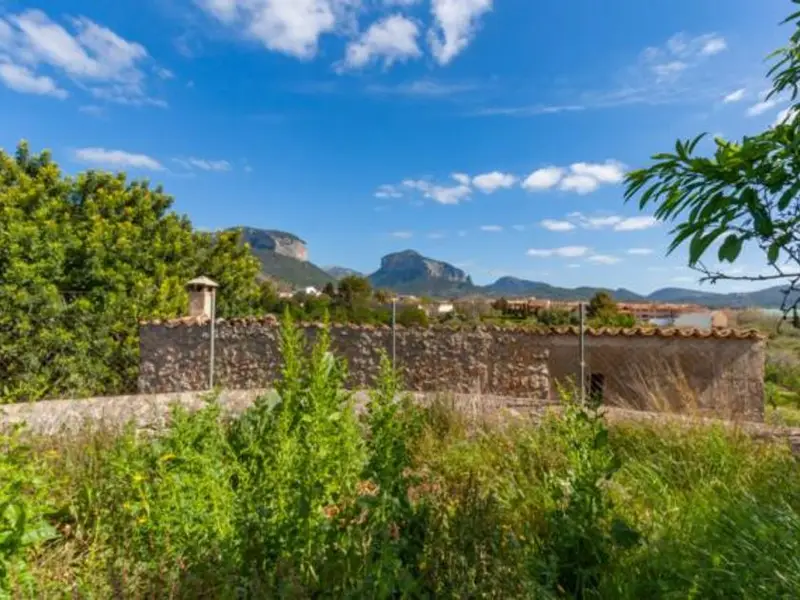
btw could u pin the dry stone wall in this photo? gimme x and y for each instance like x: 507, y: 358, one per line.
x: 175, y: 357
x: 708, y: 373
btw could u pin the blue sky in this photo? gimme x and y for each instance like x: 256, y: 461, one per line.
x: 489, y: 133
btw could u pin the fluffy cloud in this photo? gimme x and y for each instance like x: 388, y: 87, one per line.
x: 736, y: 96
x: 614, y: 222
x: 491, y: 182
x: 492, y: 228
x: 393, y: 39
x: 563, y: 252
x: 604, y: 259
x: 291, y: 27
x: 636, y: 223
x: 204, y: 164
x: 108, y: 64
x: 543, y: 179
x: 581, y: 178
x: 455, y: 23
x: 552, y: 225
x: 640, y: 251
x: 22, y: 79
x: 117, y: 159
x: 402, y: 235
x: 441, y: 193
x: 462, y: 178
x: 761, y: 107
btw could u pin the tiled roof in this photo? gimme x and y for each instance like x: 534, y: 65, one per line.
x: 660, y: 332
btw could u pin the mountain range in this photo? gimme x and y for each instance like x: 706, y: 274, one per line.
x: 283, y: 257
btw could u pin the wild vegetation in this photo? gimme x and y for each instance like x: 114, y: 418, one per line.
x: 305, y: 497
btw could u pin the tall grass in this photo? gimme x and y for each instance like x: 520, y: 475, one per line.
x: 301, y: 498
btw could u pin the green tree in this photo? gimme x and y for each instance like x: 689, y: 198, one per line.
x: 82, y: 260
x: 410, y: 316
x: 744, y: 193
x: 602, y: 306
x: 354, y: 290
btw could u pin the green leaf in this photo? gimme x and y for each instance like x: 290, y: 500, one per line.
x: 700, y: 244
x: 731, y: 248
x: 773, y: 252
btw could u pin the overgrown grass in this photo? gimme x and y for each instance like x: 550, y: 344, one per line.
x: 299, y: 498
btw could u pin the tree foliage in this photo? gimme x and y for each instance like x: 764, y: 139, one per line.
x: 746, y: 193
x: 82, y: 260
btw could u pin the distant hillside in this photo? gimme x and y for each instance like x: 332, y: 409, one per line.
x: 513, y: 286
x: 341, y: 272
x: 278, y: 252
x: 411, y: 273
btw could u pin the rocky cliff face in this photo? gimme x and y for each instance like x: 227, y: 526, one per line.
x: 280, y: 242
x: 411, y: 272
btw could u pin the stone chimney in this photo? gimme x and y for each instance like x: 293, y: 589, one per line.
x: 201, y: 297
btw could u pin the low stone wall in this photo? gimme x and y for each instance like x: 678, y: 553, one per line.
x: 174, y: 357
x: 151, y: 413
x: 715, y: 373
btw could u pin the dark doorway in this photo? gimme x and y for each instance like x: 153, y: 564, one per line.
x: 597, y: 385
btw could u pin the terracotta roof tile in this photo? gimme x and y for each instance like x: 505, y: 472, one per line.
x: 661, y: 332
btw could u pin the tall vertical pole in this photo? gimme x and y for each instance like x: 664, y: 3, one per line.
x: 394, y: 331
x: 582, y: 344
x: 212, y: 326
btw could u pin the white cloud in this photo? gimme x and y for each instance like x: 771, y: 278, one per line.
x: 640, y: 251
x: 552, y: 225
x: 402, y: 235
x: 462, y: 178
x: 735, y: 96
x: 492, y: 228
x: 636, y: 223
x: 439, y: 193
x: 393, y: 39
x: 580, y: 184
x: 117, y: 158
x: 491, y: 182
x: 291, y: 27
x: 787, y: 115
x: 448, y: 195
x: 23, y: 80
x: 604, y: 259
x: 455, y: 24
x: 543, y: 179
x: 670, y: 69
x: 761, y: 107
x: 615, y: 222
x: 388, y: 191
x: 574, y: 266
x: 204, y: 164
x: 91, y: 54
x: 714, y: 45
x: 165, y: 73
x: 563, y: 252
x: 582, y: 177
x: 92, y: 109
x: 609, y: 172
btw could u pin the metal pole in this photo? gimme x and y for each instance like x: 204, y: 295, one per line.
x: 211, y: 353
x: 394, y: 331
x: 583, y: 352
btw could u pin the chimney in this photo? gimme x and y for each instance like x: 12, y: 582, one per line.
x: 201, y: 296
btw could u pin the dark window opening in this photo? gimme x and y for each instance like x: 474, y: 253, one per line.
x: 597, y: 384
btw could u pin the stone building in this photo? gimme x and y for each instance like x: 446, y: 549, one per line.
x: 709, y: 372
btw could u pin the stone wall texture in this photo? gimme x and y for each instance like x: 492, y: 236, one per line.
x: 717, y: 374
